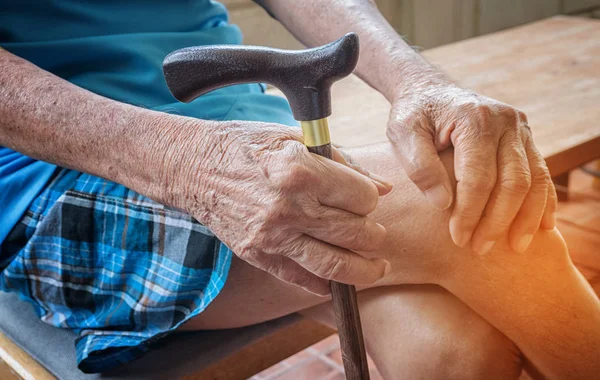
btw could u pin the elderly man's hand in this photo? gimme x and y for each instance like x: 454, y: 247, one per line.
x: 503, y: 181
x: 291, y: 213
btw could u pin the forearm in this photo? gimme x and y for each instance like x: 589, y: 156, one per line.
x: 53, y: 120
x: 538, y: 299
x: 386, y: 62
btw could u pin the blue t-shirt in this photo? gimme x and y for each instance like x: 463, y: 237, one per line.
x: 115, y: 48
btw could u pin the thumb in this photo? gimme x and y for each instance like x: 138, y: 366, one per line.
x: 421, y: 162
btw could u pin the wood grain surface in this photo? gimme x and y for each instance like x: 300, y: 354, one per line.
x: 19, y: 362
x: 549, y: 69
x: 347, y: 315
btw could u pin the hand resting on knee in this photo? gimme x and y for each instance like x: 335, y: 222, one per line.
x: 538, y: 298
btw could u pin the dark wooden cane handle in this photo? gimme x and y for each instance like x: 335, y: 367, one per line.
x: 304, y: 76
x: 347, y: 316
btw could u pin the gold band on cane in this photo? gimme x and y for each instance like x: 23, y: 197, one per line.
x: 316, y: 132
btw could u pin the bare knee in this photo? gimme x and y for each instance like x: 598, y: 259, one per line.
x: 425, y: 332
x: 467, y: 349
x: 482, y: 352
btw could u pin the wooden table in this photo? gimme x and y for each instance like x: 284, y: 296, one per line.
x: 549, y: 69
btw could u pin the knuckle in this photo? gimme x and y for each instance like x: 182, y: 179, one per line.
x: 498, y: 115
x: 475, y: 140
x: 402, y: 126
x: 418, y: 171
x: 479, y: 182
x: 394, y: 134
x: 259, y: 231
x: 275, y: 213
x: 540, y: 178
x: 360, y: 234
x: 522, y: 116
x: 298, y: 250
x: 506, y: 111
x: 516, y: 184
x: 333, y: 267
x: 295, y: 178
x: 483, y: 112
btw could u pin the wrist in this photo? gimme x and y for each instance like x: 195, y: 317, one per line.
x: 411, y: 74
x: 152, y: 156
x: 426, y: 84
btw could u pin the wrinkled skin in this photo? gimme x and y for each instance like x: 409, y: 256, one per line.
x: 503, y: 181
x: 277, y: 206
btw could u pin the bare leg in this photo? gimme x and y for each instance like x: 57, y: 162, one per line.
x: 424, y: 332
x: 411, y: 331
x: 537, y: 299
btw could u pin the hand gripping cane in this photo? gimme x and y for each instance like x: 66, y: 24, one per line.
x: 305, y: 77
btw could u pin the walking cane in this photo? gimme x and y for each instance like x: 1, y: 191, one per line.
x: 305, y: 77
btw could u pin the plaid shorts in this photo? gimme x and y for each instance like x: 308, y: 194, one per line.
x: 115, y: 267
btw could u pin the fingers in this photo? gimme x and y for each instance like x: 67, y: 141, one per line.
x: 335, y: 263
x: 475, y: 169
x: 346, y: 230
x: 287, y: 270
x: 310, y: 264
x: 383, y: 185
x: 341, y: 187
x: 512, y: 186
x: 549, y: 217
x: 421, y: 162
x: 530, y: 215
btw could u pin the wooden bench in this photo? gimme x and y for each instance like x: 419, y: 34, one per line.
x: 549, y: 69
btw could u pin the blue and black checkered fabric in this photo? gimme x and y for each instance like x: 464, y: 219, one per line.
x: 115, y: 267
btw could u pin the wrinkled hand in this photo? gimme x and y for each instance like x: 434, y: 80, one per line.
x: 280, y: 208
x: 503, y: 182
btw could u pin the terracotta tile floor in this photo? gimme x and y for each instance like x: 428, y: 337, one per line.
x: 323, y: 360
x: 578, y: 220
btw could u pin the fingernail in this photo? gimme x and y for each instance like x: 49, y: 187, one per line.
x: 485, y: 247
x: 380, y: 179
x: 524, y: 243
x: 460, y: 238
x: 439, y: 196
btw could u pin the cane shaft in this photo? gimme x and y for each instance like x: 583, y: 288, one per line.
x: 347, y: 319
x: 345, y: 304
